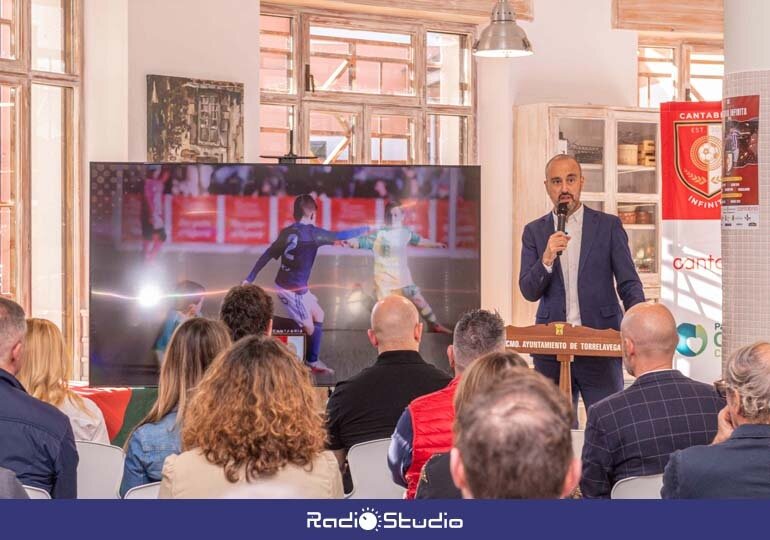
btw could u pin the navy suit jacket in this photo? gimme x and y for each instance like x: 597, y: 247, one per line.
x: 633, y: 432
x: 604, y: 259
x: 738, y: 468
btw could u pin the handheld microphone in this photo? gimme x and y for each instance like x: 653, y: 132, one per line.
x: 561, y: 217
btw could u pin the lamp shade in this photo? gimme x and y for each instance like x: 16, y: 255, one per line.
x: 503, y: 38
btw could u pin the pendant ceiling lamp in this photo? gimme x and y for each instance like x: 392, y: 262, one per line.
x: 503, y: 38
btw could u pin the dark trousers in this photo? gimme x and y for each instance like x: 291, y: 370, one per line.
x: 594, y: 378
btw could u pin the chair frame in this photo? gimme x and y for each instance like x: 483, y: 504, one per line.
x: 352, y: 475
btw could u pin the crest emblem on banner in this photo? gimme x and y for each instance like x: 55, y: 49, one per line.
x: 698, y: 158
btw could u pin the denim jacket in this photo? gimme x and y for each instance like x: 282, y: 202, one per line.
x: 148, y: 448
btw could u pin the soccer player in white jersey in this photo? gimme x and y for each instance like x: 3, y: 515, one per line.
x: 391, y: 271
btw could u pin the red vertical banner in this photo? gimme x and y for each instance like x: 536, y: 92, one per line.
x: 131, y: 217
x: 286, y: 212
x: 194, y: 219
x: 442, y: 221
x: 417, y: 216
x: 247, y: 220
x: 691, y: 159
x: 467, y: 228
x: 352, y: 213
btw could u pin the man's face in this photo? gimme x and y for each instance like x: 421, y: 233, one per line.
x: 564, y: 183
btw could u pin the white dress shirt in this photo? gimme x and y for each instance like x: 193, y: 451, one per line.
x: 570, y: 261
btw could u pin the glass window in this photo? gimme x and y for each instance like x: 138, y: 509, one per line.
x: 7, y: 142
x: 448, y: 61
x: 6, y: 253
x: 447, y: 139
x: 276, y: 47
x: 392, y: 139
x: 332, y: 136
x: 47, y: 196
x: 706, y: 74
x: 48, y: 33
x: 276, y: 123
x: 584, y: 140
x: 8, y: 37
x: 657, y: 76
x: 345, y: 60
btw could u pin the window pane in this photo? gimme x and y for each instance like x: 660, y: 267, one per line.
x: 637, y: 151
x: 276, y: 122
x: 47, y: 144
x: 7, y: 37
x: 447, y: 140
x: 584, y: 140
x: 448, y: 69
x: 48, y: 25
x: 276, y: 73
x: 343, y: 60
x: 392, y: 139
x: 6, y: 253
x: 332, y: 136
x: 7, y: 142
x: 706, y: 73
x: 657, y: 76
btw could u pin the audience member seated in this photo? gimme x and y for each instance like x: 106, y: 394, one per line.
x: 633, y: 432
x: 436, y: 480
x: 252, y: 430
x: 367, y: 406
x: 193, y: 347
x: 10, y: 487
x: 737, y: 463
x: 247, y: 310
x: 36, y: 438
x: 425, y: 427
x: 45, y: 374
x: 513, y: 441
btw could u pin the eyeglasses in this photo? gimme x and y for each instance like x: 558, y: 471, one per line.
x: 721, y: 387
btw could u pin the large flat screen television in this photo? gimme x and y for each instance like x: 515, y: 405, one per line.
x: 163, y: 234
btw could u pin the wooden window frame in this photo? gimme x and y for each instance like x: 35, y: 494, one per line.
x: 683, y: 48
x: 302, y: 99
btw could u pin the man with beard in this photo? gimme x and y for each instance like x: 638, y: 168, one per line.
x: 573, y: 273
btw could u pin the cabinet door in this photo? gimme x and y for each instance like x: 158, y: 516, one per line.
x: 584, y: 138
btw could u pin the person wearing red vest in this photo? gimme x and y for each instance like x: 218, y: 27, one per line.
x: 425, y: 427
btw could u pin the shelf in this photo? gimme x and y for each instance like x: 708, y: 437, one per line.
x: 640, y: 226
x: 591, y: 166
x: 635, y: 168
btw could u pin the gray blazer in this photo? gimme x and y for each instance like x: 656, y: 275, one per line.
x: 10, y: 487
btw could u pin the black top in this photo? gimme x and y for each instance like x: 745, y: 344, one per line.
x: 368, y: 406
x: 37, y: 441
x: 436, y: 480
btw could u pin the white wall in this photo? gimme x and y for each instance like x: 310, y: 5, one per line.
x: 126, y: 40
x: 579, y: 58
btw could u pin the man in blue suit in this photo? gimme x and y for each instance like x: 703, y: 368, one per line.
x: 737, y: 463
x: 573, y: 274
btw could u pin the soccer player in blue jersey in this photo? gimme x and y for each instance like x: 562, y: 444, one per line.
x: 297, y: 246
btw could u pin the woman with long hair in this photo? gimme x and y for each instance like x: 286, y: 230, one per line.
x: 253, y: 430
x: 192, y: 349
x: 45, y: 374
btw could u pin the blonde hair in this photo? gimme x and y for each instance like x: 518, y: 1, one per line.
x: 254, y: 411
x: 47, y: 365
x: 193, y: 347
x: 485, y: 372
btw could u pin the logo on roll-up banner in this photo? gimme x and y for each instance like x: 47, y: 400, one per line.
x: 698, y: 153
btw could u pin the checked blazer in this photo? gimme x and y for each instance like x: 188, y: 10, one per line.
x: 633, y: 432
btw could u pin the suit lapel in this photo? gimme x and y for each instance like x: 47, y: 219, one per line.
x: 547, y: 231
x: 590, y: 226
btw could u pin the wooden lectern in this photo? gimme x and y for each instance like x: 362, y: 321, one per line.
x: 565, y: 342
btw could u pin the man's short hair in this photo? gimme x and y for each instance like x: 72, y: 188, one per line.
x: 515, y: 440
x: 13, y: 325
x: 304, y: 205
x: 477, y: 333
x: 561, y: 157
x: 247, y: 311
x: 187, y: 292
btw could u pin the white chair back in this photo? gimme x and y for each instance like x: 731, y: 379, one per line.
x: 638, y: 487
x: 369, y: 471
x: 36, y: 493
x: 578, y: 439
x: 147, y: 491
x: 100, y: 470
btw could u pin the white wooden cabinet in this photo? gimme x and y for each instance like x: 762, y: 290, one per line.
x: 614, y: 183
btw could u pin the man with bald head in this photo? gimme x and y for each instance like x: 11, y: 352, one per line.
x: 367, y: 406
x: 633, y: 432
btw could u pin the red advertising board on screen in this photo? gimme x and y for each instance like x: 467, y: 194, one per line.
x: 247, y: 220
x: 467, y: 228
x: 417, y: 216
x: 194, y: 219
x: 352, y: 213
